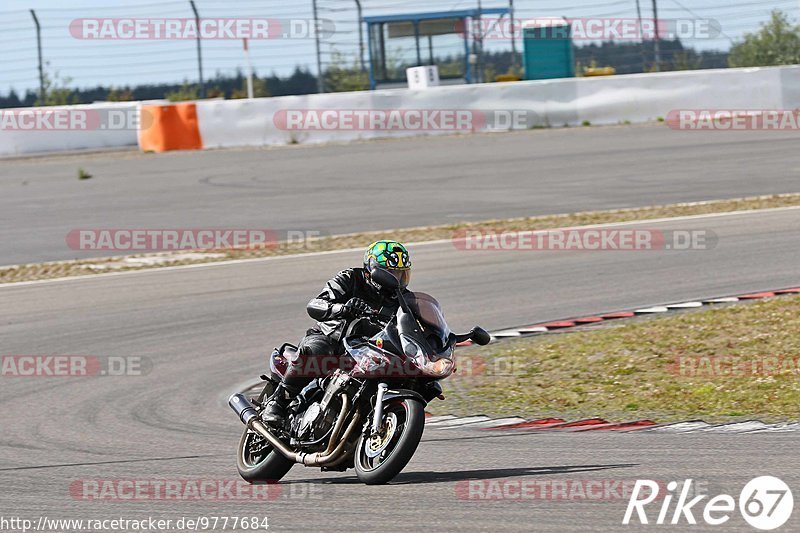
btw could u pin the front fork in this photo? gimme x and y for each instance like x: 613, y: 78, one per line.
x: 376, y: 419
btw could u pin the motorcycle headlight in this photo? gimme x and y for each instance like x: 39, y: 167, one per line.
x: 368, y: 360
x: 440, y: 368
x: 373, y: 363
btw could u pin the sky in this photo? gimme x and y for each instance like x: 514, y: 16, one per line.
x: 86, y: 63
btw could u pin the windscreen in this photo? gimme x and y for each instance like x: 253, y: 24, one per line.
x: 429, y: 313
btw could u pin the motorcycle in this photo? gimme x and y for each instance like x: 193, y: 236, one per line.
x: 369, y: 415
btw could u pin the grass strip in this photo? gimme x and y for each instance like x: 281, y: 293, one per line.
x: 724, y: 363
x: 79, y: 267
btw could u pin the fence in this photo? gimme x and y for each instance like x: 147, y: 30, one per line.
x: 67, y: 60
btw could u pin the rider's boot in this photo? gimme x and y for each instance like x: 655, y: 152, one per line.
x: 276, y: 410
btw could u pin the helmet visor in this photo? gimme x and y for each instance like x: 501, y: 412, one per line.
x: 403, y: 275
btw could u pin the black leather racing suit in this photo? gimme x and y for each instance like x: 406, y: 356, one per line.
x: 324, y: 340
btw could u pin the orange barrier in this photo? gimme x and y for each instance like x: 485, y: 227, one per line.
x: 169, y: 127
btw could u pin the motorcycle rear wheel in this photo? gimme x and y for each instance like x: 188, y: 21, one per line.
x: 265, y: 466
x: 378, y: 462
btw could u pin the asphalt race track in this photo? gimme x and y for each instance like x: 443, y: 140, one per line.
x: 205, y: 330
x: 383, y: 184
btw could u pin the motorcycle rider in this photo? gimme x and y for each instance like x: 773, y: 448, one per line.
x: 350, y: 294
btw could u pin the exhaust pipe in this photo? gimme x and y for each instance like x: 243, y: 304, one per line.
x: 249, y: 416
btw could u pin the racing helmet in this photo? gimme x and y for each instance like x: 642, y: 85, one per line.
x: 390, y: 256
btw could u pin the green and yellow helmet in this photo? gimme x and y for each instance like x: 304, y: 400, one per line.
x: 390, y: 256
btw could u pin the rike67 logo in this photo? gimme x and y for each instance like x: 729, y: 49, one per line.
x: 765, y: 503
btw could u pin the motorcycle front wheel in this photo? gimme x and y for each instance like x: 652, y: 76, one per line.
x: 379, y: 458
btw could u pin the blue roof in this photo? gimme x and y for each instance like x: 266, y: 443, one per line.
x: 460, y: 13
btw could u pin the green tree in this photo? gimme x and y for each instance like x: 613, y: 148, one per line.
x: 777, y: 42
x: 260, y: 89
x: 686, y: 60
x: 184, y: 93
x: 215, y: 92
x: 339, y: 77
x: 120, y: 95
x: 56, y: 91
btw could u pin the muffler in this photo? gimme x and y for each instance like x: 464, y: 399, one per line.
x: 248, y: 414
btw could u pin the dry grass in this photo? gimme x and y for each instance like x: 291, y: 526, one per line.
x: 632, y: 369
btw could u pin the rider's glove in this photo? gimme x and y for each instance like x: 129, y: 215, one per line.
x: 354, y: 307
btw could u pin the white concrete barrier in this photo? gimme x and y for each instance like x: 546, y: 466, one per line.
x: 32, y: 130
x: 643, y: 97
x: 601, y: 100
x: 320, y: 118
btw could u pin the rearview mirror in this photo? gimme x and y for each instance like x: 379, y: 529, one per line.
x: 385, y: 279
x: 480, y: 336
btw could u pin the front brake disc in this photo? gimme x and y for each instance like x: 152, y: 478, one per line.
x: 377, y: 443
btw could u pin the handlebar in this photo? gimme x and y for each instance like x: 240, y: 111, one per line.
x: 477, y: 334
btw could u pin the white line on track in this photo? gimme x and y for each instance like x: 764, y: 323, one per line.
x: 214, y: 264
